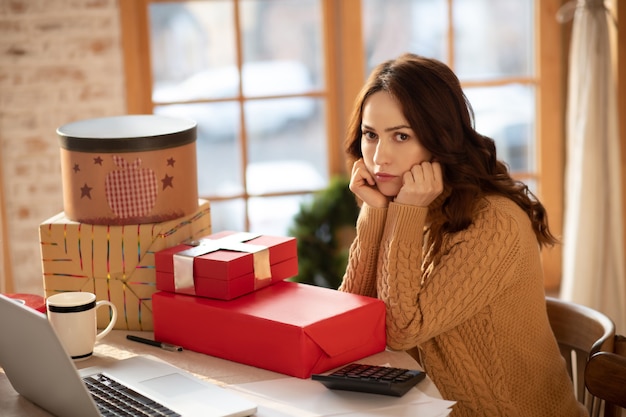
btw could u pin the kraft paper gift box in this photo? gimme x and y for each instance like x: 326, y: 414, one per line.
x: 291, y: 328
x: 114, y: 262
x: 226, y: 265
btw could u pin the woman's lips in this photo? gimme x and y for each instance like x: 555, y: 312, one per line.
x: 383, y: 177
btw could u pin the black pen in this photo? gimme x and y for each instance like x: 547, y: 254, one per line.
x: 162, y: 345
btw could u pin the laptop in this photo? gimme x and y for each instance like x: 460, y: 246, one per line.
x: 40, y: 370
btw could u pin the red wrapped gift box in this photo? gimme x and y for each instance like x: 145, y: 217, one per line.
x: 226, y: 265
x: 292, y: 328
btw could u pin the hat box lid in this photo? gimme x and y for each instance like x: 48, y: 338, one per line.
x: 128, y: 133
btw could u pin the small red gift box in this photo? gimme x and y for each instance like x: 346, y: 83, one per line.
x: 292, y: 328
x: 226, y: 265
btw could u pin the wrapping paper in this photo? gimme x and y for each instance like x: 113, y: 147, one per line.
x: 114, y: 262
x: 34, y: 301
x: 226, y: 265
x: 292, y: 328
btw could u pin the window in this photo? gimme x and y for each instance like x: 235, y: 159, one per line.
x: 257, y: 95
x: 271, y: 84
x: 488, y: 44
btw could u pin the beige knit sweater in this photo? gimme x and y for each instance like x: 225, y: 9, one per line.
x: 475, y: 311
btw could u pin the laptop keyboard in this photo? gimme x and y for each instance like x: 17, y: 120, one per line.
x: 115, y: 399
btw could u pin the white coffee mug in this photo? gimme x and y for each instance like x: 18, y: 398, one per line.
x: 73, y: 318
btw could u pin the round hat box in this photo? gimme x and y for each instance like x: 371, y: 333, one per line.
x: 130, y: 169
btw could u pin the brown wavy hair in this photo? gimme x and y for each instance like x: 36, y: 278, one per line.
x: 438, y: 111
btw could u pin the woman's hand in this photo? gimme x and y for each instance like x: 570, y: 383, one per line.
x: 362, y: 184
x: 421, y: 185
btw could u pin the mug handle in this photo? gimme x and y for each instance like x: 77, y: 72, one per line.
x: 111, y: 324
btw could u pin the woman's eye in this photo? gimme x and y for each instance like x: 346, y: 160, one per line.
x: 401, y: 137
x: 369, y: 135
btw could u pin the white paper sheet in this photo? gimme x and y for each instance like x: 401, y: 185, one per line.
x: 307, y: 398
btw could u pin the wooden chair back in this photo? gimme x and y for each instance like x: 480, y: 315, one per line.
x: 580, y: 332
x: 605, y: 378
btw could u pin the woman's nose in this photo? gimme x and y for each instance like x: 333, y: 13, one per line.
x: 382, y: 154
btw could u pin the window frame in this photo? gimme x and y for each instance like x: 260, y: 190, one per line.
x: 551, y: 47
x: 344, y: 77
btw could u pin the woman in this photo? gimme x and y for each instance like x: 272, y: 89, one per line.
x: 451, y: 244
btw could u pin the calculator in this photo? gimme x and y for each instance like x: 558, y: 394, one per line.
x: 374, y: 379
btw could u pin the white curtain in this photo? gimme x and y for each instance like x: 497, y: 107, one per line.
x: 593, y: 242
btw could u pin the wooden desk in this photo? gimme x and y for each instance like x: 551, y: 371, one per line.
x: 115, y: 346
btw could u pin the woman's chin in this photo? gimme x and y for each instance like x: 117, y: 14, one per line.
x: 388, y: 190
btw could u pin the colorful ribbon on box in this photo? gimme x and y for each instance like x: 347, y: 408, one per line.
x: 183, y: 261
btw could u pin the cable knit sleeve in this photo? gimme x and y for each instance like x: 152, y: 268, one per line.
x: 427, y: 297
x: 360, y: 276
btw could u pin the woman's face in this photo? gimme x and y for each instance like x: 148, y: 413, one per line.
x: 389, y: 146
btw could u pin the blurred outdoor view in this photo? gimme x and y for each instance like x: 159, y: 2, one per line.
x: 262, y: 130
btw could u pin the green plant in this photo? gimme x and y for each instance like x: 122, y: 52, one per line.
x: 324, y: 228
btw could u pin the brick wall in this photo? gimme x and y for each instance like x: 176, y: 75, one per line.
x: 60, y: 61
